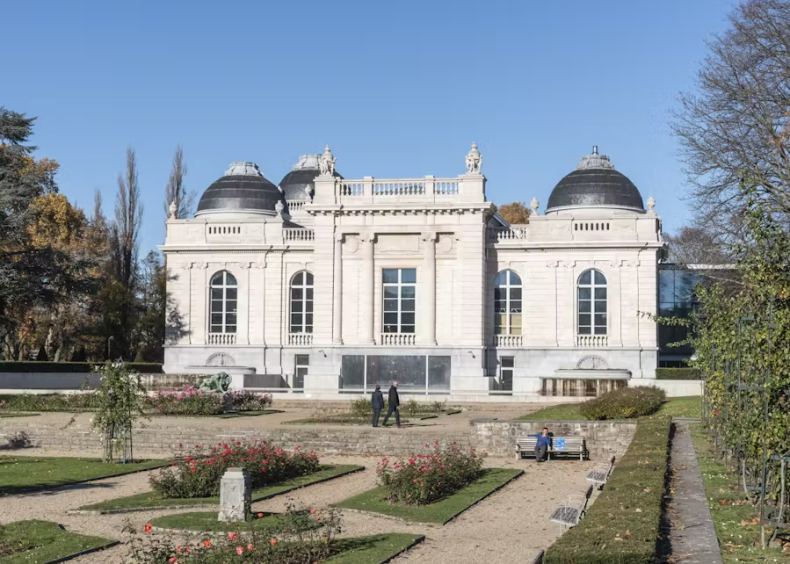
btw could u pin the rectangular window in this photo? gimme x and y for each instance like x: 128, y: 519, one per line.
x: 400, y: 299
x: 414, y: 373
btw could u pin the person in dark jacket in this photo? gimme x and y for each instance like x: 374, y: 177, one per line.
x: 393, y: 402
x: 378, y: 404
x: 542, y: 445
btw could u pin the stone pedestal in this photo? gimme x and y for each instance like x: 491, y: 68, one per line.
x: 235, y: 496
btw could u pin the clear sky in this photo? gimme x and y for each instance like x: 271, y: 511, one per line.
x: 398, y: 89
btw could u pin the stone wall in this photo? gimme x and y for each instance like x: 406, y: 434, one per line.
x: 603, y: 438
x: 497, y: 437
x: 45, y: 382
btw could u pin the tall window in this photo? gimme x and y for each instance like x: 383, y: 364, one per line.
x: 224, y: 302
x: 507, y: 303
x: 302, y: 303
x: 592, y: 303
x: 400, y: 294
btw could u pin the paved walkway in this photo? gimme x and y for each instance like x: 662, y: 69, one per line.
x: 692, y: 535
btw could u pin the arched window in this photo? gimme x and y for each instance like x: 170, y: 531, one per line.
x: 592, y: 303
x: 224, y: 302
x: 302, y: 303
x: 507, y: 303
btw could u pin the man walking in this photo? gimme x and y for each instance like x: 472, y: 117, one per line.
x: 378, y: 404
x: 542, y: 445
x: 394, y: 402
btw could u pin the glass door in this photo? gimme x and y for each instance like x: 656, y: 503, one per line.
x: 301, y: 368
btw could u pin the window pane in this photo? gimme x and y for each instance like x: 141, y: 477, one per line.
x: 390, y: 318
x: 514, y: 279
x: 600, y: 293
x: 309, y: 293
x: 390, y: 275
x: 230, y: 329
x: 217, y: 279
x: 303, y: 359
x: 407, y: 305
x: 230, y: 319
x: 584, y: 306
x: 407, y: 292
x: 296, y: 307
x: 298, y: 279
x: 407, y: 328
x: 390, y: 328
x: 515, y: 293
x: 390, y: 291
x: 500, y: 306
x: 507, y: 362
x: 584, y: 319
x: 501, y: 278
x: 439, y: 372
x: 308, y: 307
x: 600, y: 319
x: 515, y: 306
x: 409, y: 371
x: 600, y: 306
x: 296, y: 320
x: 296, y: 293
x: 216, y: 318
x: 352, y: 372
x: 230, y: 306
x: 584, y: 293
x: 408, y: 275
x: 390, y: 305
x: 231, y: 293
x: 585, y: 277
x: 600, y: 330
x: 308, y: 319
x: 407, y: 318
x: 309, y: 279
x: 499, y: 294
x: 515, y: 325
x: 216, y: 306
x: 215, y: 329
x: 216, y: 293
x: 599, y: 278
x: 584, y: 330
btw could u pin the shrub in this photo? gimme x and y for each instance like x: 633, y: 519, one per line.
x: 80, y: 367
x: 302, y: 537
x: 51, y: 402
x: 678, y: 374
x: 624, y: 403
x: 189, y: 401
x: 245, y: 400
x: 426, y: 478
x: 627, y: 511
x: 198, y: 473
x: 363, y: 407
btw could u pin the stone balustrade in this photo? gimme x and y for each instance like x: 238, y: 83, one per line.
x: 592, y: 341
x: 398, y: 339
x: 300, y: 339
x: 371, y: 190
x: 221, y: 339
x: 298, y: 235
x: 508, y: 341
x: 295, y: 205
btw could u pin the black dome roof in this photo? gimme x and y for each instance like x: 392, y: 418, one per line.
x: 595, y: 184
x: 299, y: 183
x: 243, y: 188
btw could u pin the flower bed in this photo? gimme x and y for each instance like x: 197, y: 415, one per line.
x: 425, y: 478
x: 197, y: 473
x: 624, y: 403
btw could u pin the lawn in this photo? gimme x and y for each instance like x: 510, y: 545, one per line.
x: 24, y: 473
x: 14, y: 414
x: 375, y: 549
x: 441, y: 511
x: 722, y: 489
x: 152, y: 500
x: 37, y: 542
x: 206, y: 521
x: 674, y: 407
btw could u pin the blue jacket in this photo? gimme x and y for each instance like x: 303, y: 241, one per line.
x: 542, y: 441
x: 378, y: 400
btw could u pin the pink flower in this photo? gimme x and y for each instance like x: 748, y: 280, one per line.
x: 173, y: 559
x: 249, y: 547
x: 239, y: 550
x: 233, y: 536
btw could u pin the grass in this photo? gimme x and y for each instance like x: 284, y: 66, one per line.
x: 24, y: 473
x: 15, y: 414
x: 441, y: 511
x: 674, y: 407
x: 374, y: 549
x: 206, y: 521
x: 150, y: 500
x: 38, y: 542
x: 623, y: 525
x: 722, y: 488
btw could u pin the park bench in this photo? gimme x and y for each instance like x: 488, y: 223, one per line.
x: 559, y: 445
x: 571, y: 512
x: 600, y: 474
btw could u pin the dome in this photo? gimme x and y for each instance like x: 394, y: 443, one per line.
x: 242, y: 189
x: 595, y: 184
x: 298, y: 184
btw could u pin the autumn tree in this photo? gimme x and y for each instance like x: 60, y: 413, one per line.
x: 515, y: 213
x: 735, y: 126
x: 175, y: 190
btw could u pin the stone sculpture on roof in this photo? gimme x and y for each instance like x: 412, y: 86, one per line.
x: 474, y: 160
x: 327, y: 163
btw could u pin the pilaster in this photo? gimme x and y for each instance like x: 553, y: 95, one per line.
x: 366, y: 291
x: 429, y: 288
x: 337, y: 297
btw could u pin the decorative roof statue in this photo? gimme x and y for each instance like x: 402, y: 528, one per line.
x: 534, y: 205
x: 243, y: 168
x: 327, y: 163
x: 651, y: 203
x: 173, y: 208
x: 279, y: 207
x: 474, y: 160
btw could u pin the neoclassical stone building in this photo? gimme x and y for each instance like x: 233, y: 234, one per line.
x: 326, y: 286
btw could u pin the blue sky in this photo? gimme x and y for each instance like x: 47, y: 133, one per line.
x: 397, y: 89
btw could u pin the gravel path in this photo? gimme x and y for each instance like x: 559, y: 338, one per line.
x: 484, y: 533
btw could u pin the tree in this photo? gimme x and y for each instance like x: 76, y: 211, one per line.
x: 737, y: 127
x: 696, y: 245
x: 515, y: 213
x: 153, y: 300
x: 175, y: 190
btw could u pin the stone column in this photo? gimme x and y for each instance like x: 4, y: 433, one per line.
x: 429, y: 285
x: 235, y: 494
x: 366, y: 291
x: 337, y: 298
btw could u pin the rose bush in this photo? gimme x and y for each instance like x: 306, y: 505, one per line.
x: 245, y: 400
x: 197, y: 471
x: 426, y: 478
x: 189, y: 401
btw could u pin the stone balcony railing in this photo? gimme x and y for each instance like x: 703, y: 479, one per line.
x: 221, y: 339
x: 373, y: 190
x: 295, y: 205
x: 508, y: 341
x: 592, y: 341
x: 300, y: 339
x: 293, y: 235
x: 398, y: 339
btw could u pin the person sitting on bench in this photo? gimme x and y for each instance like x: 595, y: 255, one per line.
x: 542, y: 445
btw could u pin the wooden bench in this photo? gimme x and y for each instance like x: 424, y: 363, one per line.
x: 572, y: 511
x: 559, y: 445
x: 600, y: 474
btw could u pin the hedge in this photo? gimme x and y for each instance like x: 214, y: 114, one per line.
x: 678, y: 374
x: 625, y: 403
x: 79, y: 367
x: 623, y: 525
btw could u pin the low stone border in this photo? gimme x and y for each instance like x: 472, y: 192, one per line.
x: 83, y: 552
x: 452, y: 517
x: 203, y: 505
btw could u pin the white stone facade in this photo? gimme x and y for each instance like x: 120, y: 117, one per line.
x: 353, y: 236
